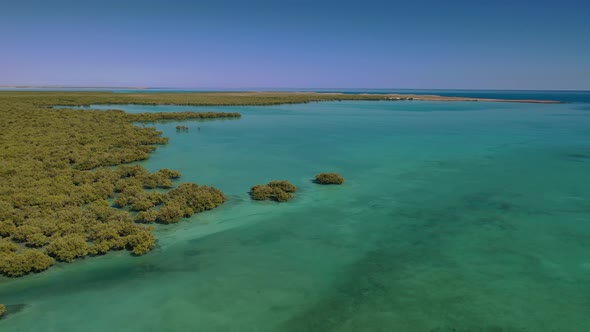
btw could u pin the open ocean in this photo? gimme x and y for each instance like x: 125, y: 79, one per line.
x: 455, y: 216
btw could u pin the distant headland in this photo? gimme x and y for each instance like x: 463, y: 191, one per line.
x: 135, y: 95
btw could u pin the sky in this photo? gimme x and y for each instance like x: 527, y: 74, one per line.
x: 252, y: 44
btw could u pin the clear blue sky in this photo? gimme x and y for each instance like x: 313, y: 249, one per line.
x: 317, y: 44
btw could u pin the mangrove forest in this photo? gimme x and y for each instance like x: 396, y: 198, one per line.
x: 66, y: 189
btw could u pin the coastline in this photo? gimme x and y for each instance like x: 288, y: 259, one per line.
x: 241, y: 98
x: 445, y: 98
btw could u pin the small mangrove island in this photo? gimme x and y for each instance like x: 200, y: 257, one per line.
x: 328, y: 178
x: 279, y: 191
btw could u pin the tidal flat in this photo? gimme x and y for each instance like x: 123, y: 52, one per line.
x: 455, y: 216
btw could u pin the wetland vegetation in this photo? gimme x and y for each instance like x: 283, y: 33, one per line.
x: 64, y: 191
x: 279, y: 191
x: 329, y: 178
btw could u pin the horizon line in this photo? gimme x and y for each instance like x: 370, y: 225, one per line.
x: 252, y: 89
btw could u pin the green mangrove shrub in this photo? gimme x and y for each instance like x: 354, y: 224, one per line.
x: 284, y: 185
x: 329, y: 178
x: 68, y: 247
x: 261, y: 192
x: 170, y: 213
x: 148, y: 216
x: 279, y: 191
x: 15, y: 264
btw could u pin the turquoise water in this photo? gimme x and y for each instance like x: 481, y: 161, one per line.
x: 453, y: 217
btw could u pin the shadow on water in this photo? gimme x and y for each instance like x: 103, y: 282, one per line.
x: 578, y: 157
x: 99, y: 276
x: 222, y: 119
x: 13, y: 309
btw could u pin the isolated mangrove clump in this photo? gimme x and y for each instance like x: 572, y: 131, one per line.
x: 2, y: 310
x: 329, y: 178
x: 181, y: 128
x: 280, y: 191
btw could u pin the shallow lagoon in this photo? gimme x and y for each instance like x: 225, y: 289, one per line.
x: 453, y: 217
